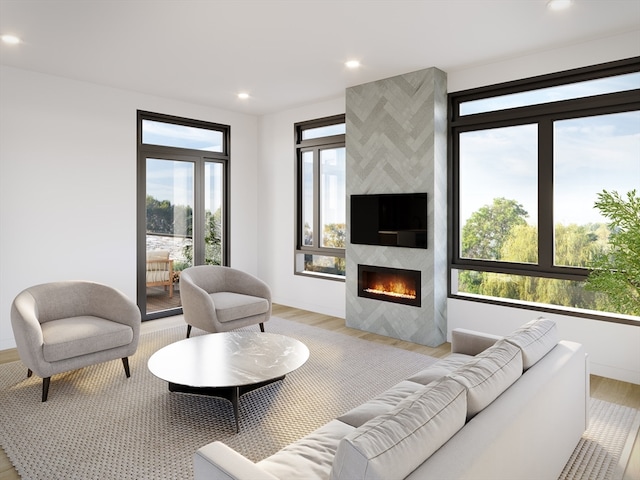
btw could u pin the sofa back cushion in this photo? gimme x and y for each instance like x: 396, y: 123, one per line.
x: 394, y: 444
x: 489, y: 374
x: 535, y: 338
x: 440, y: 369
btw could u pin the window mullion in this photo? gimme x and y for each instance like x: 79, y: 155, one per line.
x: 198, y: 221
x: 545, y: 194
x: 316, y: 198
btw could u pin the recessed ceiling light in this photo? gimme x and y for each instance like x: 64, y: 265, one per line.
x: 243, y: 95
x: 10, y: 39
x: 352, y: 64
x: 559, y: 4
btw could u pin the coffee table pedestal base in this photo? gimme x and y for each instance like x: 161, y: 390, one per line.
x: 231, y: 394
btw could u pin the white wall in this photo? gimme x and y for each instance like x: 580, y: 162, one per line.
x: 68, y: 183
x: 613, y: 348
x: 607, y: 49
x: 276, y: 240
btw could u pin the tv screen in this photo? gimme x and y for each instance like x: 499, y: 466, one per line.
x: 396, y: 220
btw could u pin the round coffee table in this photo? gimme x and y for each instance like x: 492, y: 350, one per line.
x: 227, y: 364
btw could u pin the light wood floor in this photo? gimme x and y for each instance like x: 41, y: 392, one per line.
x: 601, y: 388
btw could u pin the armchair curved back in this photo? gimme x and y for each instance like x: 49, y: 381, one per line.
x: 56, y: 300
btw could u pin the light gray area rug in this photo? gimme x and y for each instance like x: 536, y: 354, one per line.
x: 605, y: 447
x: 97, y: 424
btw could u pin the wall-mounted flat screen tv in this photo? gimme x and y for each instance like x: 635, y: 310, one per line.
x: 391, y: 219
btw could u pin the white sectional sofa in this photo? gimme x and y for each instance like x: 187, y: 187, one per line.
x: 496, y: 408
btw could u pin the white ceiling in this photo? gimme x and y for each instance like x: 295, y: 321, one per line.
x: 285, y: 52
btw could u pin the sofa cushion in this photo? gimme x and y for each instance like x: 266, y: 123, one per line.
x: 383, y: 403
x: 535, y: 338
x: 75, y: 336
x: 440, y: 369
x: 392, y: 445
x: 232, y: 306
x: 489, y: 374
x: 309, y: 457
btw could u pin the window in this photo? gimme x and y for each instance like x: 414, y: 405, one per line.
x: 528, y: 159
x: 182, y: 205
x: 321, y: 197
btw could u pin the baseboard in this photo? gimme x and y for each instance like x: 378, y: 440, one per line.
x: 9, y: 355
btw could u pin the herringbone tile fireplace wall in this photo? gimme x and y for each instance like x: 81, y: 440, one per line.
x: 396, y: 143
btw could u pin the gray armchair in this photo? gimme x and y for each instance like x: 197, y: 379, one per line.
x: 219, y: 299
x: 65, y: 326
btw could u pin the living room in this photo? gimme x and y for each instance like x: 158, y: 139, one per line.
x: 77, y: 239
x: 68, y: 180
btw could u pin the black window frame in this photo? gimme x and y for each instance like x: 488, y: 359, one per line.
x: 543, y: 115
x: 199, y: 158
x: 315, y: 145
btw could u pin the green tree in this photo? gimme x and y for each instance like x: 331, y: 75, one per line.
x: 487, y: 229
x: 334, y: 235
x: 575, y: 246
x: 165, y: 218
x: 483, y: 236
x: 616, y: 272
x: 212, y: 240
x: 521, y: 244
x: 159, y: 215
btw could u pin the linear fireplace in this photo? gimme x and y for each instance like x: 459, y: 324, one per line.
x: 394, y: 285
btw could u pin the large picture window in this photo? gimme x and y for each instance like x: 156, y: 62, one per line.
x: 321, y: 197
x: 528, y: 160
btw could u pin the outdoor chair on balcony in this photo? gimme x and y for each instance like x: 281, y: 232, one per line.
x: 64, y: 326
x: 160, y: 270
x: 219, y: 299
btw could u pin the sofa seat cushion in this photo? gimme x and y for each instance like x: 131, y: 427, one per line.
x: 232, y: 306
x: 440, y: 369
x: 535, y: 338
x: 392, y: 445
x: 383, y: 403
x: 76, y: 336
x: 489, y: 374
x: 309, y: 457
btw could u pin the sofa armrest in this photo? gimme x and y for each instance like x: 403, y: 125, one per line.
x: 471, y: 342
x: 217, y: 461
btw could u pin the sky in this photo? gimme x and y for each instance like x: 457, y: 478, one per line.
x: 173, y: 180
x: 590, y: 154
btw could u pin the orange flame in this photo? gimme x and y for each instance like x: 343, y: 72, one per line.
x: 392, y: 288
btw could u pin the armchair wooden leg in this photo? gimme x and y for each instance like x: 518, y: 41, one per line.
x: 125, y: 362
x: 262, y: 327
x: 45, y: 388
x: 188, y: 330
x: 29, y: 373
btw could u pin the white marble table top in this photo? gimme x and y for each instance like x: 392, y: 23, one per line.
x: 228, y: 359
